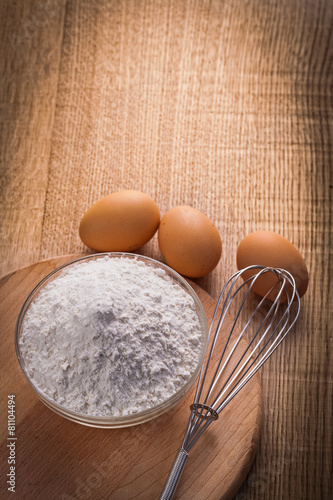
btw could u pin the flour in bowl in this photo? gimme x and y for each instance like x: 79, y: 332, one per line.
x: 111, y: 337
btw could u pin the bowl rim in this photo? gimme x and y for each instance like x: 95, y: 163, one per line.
x: 133, y: 418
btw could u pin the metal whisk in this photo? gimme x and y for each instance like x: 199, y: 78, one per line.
x: 274, y: 318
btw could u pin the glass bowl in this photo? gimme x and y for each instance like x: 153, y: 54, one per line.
x: 130, y: 419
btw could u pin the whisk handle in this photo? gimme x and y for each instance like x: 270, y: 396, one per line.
x: 174, y: 475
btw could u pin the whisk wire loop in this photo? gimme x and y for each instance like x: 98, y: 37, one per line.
x: 219, y: 370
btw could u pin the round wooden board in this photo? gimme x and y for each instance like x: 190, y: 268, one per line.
x: 57, y: 459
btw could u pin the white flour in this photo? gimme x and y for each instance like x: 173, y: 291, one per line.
x: 111, y: 337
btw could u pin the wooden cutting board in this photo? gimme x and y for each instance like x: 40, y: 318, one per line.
x: 60, y: 460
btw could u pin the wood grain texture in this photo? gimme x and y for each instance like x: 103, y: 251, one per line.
x: 118, y: 464
x: 225, y: 105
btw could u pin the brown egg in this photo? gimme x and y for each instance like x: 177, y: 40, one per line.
x: 270, y: 249
x: 189, y: 241
x: 121, y: 222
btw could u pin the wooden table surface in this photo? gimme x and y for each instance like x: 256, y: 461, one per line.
x: 222, y: 105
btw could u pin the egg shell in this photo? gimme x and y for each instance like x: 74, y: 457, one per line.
x: 270, y: 249
x: 189, y: 241
x: 120, y: 222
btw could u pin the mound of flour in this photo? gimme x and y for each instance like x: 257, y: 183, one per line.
x: 111, y: 337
